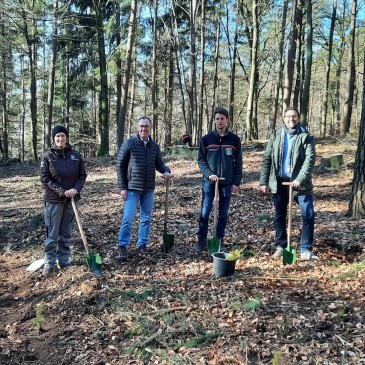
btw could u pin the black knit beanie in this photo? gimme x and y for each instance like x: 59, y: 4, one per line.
x: 58, y: 129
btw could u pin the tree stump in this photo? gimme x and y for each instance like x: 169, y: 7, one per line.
x: 332, y: 162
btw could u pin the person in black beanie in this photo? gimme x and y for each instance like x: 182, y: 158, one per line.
x: 63, y: 176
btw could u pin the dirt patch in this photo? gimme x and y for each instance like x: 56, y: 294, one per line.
x: 171, y: 309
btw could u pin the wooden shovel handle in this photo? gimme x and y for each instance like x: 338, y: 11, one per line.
x: 83, y: 237
x: 215, y: 218
x: 290, y: 214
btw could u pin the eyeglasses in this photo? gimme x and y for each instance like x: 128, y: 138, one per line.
x: 291, y: 116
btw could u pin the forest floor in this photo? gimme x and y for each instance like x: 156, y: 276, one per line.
x: 171, y: 308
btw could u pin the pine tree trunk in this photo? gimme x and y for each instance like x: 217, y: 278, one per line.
x: 4, y: 147
x: 154, y: 86
x: 308, y: 67
x: 103, y: 97
x: 357, y: 200
x: 278, y: 83
x: 350, y: 78
x: 51, y: 79
x: 215, y: 74
x: 199, y: 131
x: 290, y: 63
x: 127, y: 72
x: 254, y: 52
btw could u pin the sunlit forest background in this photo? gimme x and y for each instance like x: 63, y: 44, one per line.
x: 97, y: 66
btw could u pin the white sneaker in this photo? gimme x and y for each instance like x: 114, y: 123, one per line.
x: 278, y: 253
x: 308, y: 255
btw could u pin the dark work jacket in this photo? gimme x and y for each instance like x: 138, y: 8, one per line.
x: 221, y: 156
x: 62, y: 170
x: 303, y: 160
x: 137, y: 164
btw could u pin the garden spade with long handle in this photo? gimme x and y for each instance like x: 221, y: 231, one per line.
x: 214, y: 244
x: 289, y: 253
x: 93, y: 260
x: 168, y: 239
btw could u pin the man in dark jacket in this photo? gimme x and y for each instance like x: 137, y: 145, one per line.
x: 138, y: 159
x: 290, y: 157
x: 63, y: 176
x: 219, y: 156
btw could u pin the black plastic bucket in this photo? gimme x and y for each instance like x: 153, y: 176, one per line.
x: 223, y: 267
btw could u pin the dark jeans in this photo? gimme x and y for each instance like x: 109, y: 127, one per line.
x: 281, y: 200
x: 206, y: 208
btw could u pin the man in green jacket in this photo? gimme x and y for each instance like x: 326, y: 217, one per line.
x: 290, y: 157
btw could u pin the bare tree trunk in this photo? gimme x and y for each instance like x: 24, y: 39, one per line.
x: 278, y: 83
x: 215, y: 74
x: 154, y: 87
x: 132, y: 97
x: 51, y: 79
x: 232, y: 75
x: 179, y: 65
x: 192, y: 69
x: 350, y: 79
x: 202, y: 73
x: 328, y: 71
x: 32, y: 55
x: 169, y: 92
x: 103, y: 97
x: 22, y: 118
x: 127, y: 73
x: 118, y: 42
x: 336, y: 125
x: 298, y: 80
x: 357, y: 200
x: 290, y: 64
x: 67, y: 89
x: 4, y: 145
x: 308, y: 67
x: 254, y: 53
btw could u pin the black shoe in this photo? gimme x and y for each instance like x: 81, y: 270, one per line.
x: 200, y: 247
x: 142, y: 249
x: 122, y: 254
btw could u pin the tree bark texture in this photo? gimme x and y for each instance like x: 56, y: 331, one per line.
x: 103, y: 97
x: 280, y: 69
x: 290, y: 62
x: 324, y: 108
x: 357, y: 200
x: 127, y: 72
x: 51, y: 77
x: 4, y: 145
x: 350, y: 78
x: 154, y: 88
x: 308, y: 67
x: 254, y: 52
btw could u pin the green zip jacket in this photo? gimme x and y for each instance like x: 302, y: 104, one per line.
x: 303, y: 160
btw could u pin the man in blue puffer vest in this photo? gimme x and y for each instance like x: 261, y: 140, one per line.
x: 220, y: 155
x: 138, y: 159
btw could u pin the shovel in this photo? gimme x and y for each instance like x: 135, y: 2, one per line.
x: 168, y: 239
x: 35, y: 265
x: 93, y: 260
x: 214, y: 244
x: 289, y: 253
